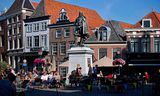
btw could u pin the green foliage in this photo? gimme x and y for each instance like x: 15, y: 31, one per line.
x: 3, y: 66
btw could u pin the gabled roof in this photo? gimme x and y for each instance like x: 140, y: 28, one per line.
x: 52, y: 8
x: 125, y: 25
x: 154, y: 16
x: 117, y: 32
x: 18, y: 5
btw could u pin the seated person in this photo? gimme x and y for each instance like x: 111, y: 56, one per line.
x: 44, y: 78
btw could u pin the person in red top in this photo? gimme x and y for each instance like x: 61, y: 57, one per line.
x: 146, y: 77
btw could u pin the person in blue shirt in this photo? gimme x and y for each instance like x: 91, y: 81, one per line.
x: 7, y: 87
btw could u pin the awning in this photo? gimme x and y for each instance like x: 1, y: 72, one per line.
x: 64, y: 64
x: 104, y: 62
x: 144, y: 64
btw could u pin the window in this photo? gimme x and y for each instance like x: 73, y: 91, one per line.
x: 44, y: 40
x: 102, y: 52
x: 156, y: 44
x: 54, y: 48
x: 29, y: 41
x: 104, y: 33
x: 36, y: 41
x: 145, y: 45
x: 58, y: 33
x: 63, y: 48
x: 66, y: 32
x: 15, y: 43
x: 10, y: 43
x: 44, y: 26
x: 9, y: 32
x: 36, y: 27
x: 63, y: 15
x: 20, y: 42
x: 116, y: 53
x: 146, y: 23
x: 134, y: 45
x: 15, y: 30
x: 29, y: 28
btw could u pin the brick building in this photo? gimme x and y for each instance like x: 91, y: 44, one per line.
x: 144, y: 43
x: 62, y: 17
x: 109, y: 40
x: 12, y: 29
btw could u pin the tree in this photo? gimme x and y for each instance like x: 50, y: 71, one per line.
x: 3, y: 66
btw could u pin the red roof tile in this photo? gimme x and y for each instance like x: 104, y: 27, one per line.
x: 154, y: 16
x: 53, y: 8
x: 125, y: 25
x: 35, y: 4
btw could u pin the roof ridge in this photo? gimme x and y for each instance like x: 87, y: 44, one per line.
x: 114, y: 29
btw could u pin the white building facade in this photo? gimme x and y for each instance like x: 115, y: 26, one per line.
x: 36, y: 38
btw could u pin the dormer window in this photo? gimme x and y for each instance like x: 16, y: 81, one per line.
x: 146, y: 23
x: 103, y: 33
x: 63, y: 15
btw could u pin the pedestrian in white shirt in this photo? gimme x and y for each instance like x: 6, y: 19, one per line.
x: 44, y: 78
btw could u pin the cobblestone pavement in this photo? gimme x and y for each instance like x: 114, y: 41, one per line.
x: 143, y: 91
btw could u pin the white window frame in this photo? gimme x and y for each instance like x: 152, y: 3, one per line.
x: 65, y: 32
x: 36, y: 27
x: 43, y: 26
x: 35, y: 42
x: 29, y: 28
x: 29, y: 41
x: 9, y: 41
x: 62, y: 46
x: 58, y: 35
x: 18, y: 44
x: 14, y: 30
x: 54, y: 48
x: 44, y: 40
x: 146, y: 20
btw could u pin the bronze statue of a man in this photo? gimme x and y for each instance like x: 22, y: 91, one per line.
x: 81, y: 30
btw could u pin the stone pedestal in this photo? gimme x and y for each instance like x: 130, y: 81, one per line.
x: 82, y: 56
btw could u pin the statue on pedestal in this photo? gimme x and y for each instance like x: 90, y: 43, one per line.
x: 81, y: 30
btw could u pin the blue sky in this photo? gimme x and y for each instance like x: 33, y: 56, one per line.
x: 129, y: 11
